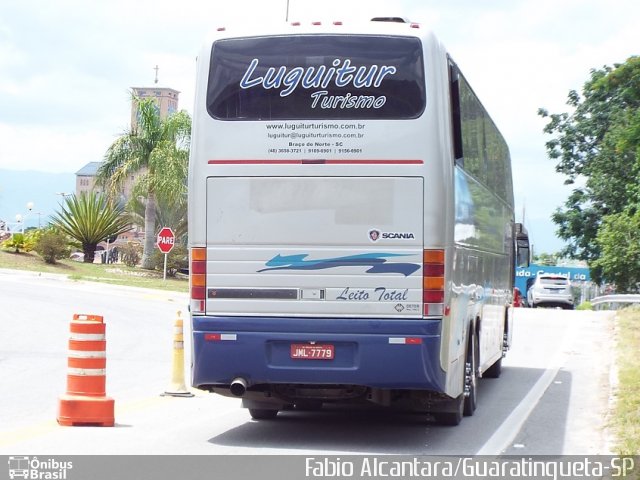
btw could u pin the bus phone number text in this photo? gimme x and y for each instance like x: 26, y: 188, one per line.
x: 315, y: 150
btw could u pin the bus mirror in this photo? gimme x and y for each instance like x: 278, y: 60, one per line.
x: 523, y: 255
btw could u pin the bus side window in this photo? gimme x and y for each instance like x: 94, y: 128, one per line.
x: 456, y: 121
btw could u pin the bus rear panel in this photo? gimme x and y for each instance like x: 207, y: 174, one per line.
x: 316, y: 280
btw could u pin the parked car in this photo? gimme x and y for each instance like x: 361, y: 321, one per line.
x: 551, y: 291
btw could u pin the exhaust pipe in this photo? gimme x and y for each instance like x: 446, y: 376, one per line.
x: 238, y: 386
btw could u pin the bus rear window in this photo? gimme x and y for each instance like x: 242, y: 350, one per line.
x: 316, y: 77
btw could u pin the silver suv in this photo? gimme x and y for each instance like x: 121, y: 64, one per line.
x: 550, y: 290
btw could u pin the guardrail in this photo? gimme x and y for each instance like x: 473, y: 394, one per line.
x: 616, y: 299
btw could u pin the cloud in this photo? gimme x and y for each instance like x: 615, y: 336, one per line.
x: 50, y: 149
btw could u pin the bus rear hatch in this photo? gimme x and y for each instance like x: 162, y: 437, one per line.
x: 315, y: 246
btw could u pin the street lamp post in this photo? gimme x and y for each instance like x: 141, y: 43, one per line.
x: 21, y: 220
x: 64, y: 194
x: 39, y: 219
x: 30, y: 211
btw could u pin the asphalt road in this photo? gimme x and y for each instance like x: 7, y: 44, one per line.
x: 552, y: 398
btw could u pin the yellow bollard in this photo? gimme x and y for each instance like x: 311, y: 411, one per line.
x: 177, y: 387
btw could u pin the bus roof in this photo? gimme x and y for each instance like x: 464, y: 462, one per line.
x: 348, y: 27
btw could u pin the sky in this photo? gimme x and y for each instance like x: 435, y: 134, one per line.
x: 66, y: 68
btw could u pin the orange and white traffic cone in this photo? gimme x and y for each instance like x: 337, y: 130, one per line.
x: 85, y: 402
x: 177, y: 387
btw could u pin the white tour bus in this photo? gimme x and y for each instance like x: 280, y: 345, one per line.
x: 351, y: 222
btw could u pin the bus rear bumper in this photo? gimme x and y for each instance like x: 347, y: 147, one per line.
x: 369, y: 353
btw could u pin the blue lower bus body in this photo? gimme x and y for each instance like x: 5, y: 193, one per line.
x: 368, y: 359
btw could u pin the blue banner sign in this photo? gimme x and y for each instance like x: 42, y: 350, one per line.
x: 574, y: 274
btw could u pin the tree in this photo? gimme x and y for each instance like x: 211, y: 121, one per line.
x: 90, y: 219
x: 549, y: 259
x: 52, y: 245
x: 19, y: 242
x: 619, y: 241
x: 158, y: 150
x: 597, y: 147
x: 168, y: 214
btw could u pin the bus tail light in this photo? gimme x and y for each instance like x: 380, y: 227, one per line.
x: 198, y: 279
x: 433, y: 282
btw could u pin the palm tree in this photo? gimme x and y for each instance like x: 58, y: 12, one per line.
x: 158, y: 150
x: 168, y: 214
x: 90, y: 219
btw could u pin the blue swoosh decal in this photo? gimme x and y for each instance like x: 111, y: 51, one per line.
x: 377, y: 262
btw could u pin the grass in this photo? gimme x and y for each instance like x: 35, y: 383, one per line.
x: 585, y: 306
x: 626, y: 420
x: 116, y: 274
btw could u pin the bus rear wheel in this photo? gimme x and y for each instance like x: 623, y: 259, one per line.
x: 471, y: 377
x: 454, y: 417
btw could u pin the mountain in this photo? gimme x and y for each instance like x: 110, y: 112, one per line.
x: 19, y: 187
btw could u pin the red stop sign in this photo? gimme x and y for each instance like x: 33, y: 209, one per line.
x: 166, y: 240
